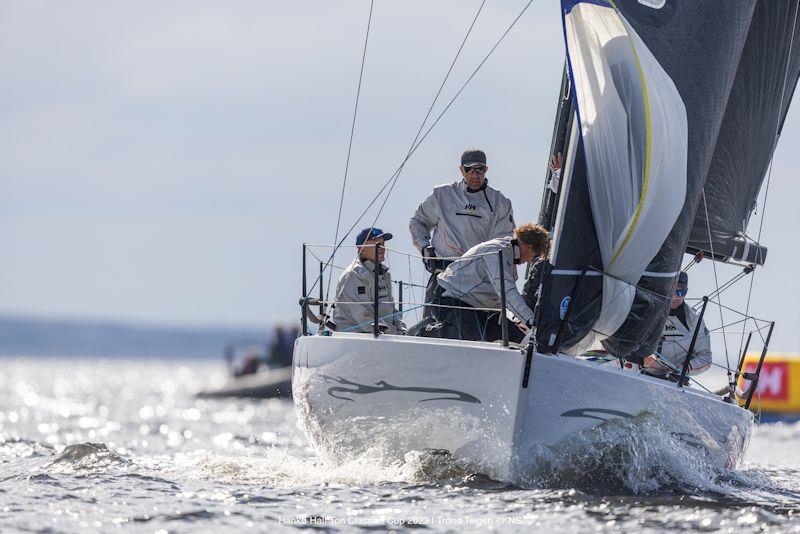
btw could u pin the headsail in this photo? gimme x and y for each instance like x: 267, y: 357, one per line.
x: 763, y: 88
x: 677, y: 42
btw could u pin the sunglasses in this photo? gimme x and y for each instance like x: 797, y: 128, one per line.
x: 475, y: 170
x: 681, y: 292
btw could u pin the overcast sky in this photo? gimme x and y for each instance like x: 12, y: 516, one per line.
x: 162, y: 162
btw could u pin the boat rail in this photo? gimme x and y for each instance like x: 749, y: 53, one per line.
x: 403, y: 306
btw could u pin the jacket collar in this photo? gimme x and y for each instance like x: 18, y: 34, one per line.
x: 370, y: 265
x: 481, y: 188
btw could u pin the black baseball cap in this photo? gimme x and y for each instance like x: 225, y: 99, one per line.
x: 473, y: 157
x: 683, y: 279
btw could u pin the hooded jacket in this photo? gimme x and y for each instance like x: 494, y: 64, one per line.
x: 356, y: 285
x: 460, y: 219
x: 475, y: 278
x: 677, y: 337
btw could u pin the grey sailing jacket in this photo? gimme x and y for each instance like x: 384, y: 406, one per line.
x: 475, y: 278
x: 356, y: 284
x: 677, y: 338
x: 460, y: 219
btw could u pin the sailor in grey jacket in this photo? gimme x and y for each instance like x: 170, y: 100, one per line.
x: 677, y: 337
x: 475, y: 279
x: 353, y: 311
x: 462, y: 214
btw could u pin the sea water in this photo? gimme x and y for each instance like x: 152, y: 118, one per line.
x: 108, y: 445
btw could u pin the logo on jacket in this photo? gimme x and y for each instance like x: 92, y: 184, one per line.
x: 470, y: 207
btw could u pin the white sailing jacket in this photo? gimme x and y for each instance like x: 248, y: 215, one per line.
x: 475, y: 279
x: 356, y: 285
x: 460, y: 219
x: 676, y: 339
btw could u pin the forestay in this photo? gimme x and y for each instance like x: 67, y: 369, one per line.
x: 634, y: 131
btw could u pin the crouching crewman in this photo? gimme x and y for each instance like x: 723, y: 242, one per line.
x: 473, y: 281
x: 677, y: 338
x: 355, y: 292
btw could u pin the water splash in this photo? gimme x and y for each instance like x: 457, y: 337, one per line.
x: 86, y: 457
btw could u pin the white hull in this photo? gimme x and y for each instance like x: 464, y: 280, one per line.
x: 354, y: 393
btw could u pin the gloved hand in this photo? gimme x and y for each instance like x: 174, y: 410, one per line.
x: 429, y: 259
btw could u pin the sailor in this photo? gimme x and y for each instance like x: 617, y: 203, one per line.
x: 355, y: 292
x: 679, y: 329
x: 458, y: 216
x: 473, y: 281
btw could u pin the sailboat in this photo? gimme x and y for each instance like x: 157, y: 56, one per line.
x: 668, y: 114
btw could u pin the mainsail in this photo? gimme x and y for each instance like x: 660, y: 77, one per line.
x: 650, y: 81
x: 763, y: 88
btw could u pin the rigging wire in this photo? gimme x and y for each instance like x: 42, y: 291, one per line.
x: 716, y: 283
x: 396, y: 176
x: 771, y: 160
x: 427, y: 132
x: 352, y: 133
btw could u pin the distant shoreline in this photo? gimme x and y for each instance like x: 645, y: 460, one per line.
x: 25, y: 336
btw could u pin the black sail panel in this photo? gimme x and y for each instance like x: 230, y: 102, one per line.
x: 759, y: 100
x: 699, y: 45
x: 578, y: 250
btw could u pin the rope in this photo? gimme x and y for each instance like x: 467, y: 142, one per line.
x: 371, y: 321
x: 716, y: 283
x: 396, y: 177
x: 430, y: 109
x: 350, y: 143
x: 771, y: 160
x: 427, y: 132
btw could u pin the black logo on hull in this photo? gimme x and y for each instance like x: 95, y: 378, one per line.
x: 364, y: 389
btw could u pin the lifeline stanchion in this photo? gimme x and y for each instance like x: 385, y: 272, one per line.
x: 739, y: 366
x: 690, y: 352
x: 376, y: 331
x: 503, y: 318
x: 321, y: 295
x: 305, y: 295
x: 400, y: 297
x: 757, y: 374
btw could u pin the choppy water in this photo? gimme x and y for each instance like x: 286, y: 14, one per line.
x: 99, y: 446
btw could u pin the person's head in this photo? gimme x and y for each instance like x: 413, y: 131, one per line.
x: 367, y: 240
x: 680, y: 291
x: 473, y: 168
x: 533, y: 241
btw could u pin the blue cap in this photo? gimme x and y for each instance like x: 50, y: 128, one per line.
x: 371, y: 233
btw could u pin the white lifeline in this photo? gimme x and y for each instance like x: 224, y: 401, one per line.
x: 400, y: 394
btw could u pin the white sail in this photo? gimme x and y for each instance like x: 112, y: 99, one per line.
x: 633, y: 125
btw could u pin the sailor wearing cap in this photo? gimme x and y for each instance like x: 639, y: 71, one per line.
x: 353, y: 307
x: 677, y: 337
x: 458, y: 216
